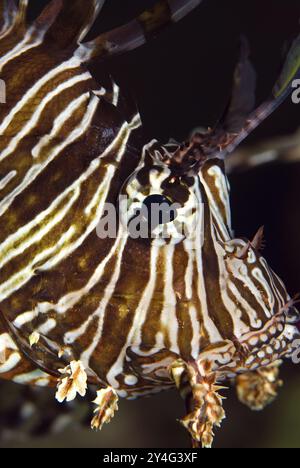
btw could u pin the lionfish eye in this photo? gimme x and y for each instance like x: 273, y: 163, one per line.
x: 154, y: 205
x: 159, y: 209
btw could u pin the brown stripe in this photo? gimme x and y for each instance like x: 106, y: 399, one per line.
x: 121, y: 310
x: 248, y: 297
x: 219, y: 315
x: 185, y: 330
x: 152, y: 323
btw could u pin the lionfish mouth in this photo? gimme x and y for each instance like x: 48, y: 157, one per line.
x: 275, y: 341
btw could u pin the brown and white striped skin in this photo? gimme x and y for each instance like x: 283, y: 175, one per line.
x: 127, y: 309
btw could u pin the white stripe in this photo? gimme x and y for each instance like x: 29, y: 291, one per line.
x: 97, y: 7
x: 23, y: 239
x: 29, y: 42
x: 63, y: 118
x: 9, y: 248
x: 252, y: 314
x: 222, y: 185
x: 39, y: 110
x: 122, y: 138
x: 11, y: 363
x: 233, y: 309
x: 168, y: 319
x: 69, y: 64
x: 35, y: 170
x: 134, y: 337
x: 238, y: 272
x: 257, y: 274
x: 211, y: 329
x: 15, y: 282
x: 6, y: 342
x: 71, y: 299
x: 47, y: 327
x: 7, y: 179
x: 215, y: 210
x: 38, y: 234
x: 100, y: 312
x: 31, y: 377
x: 189, y: 274
x: 24, y: 318
x: 96, y: 207
x: 116, y: 94
x: 195, y: 344
x: 271, y: 275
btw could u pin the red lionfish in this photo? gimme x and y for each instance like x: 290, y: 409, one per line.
x: 190, y: 309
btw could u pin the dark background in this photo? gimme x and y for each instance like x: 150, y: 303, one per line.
x: 182, y: 80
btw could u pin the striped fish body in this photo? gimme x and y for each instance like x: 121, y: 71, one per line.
x: 65, y: 151
x: 139, y: 315
x: 62, y: 147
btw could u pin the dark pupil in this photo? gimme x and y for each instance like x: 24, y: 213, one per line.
x: 158, y: 209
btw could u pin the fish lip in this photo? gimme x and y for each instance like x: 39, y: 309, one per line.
x: 286, y: 332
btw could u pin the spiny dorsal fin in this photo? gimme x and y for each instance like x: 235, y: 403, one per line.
x: 66, y: 24
x: 138, y: 31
